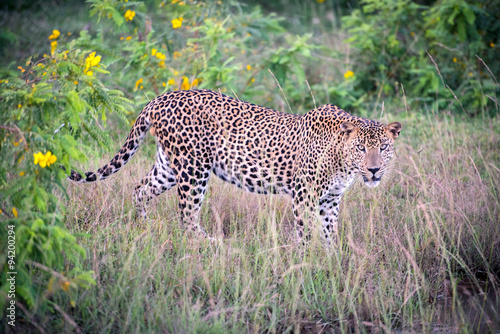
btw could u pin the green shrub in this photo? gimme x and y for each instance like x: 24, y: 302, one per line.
x: 436, y: 53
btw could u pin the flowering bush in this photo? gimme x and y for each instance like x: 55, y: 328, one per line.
x: 50, y: 103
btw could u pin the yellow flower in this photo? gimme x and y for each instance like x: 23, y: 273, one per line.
x: 14, y: 211
x: 470, y: 74
x: 320, y: 1
x: 454, y: 59
x: 253, y: 79
x: 177, y: 23
x: 129, y: 15
x: 121, y: 38
x: 128, y: 38
x: 177, y: 54
x: 91, y: 61
x: 19, y: 105
x: 153, y: 52
x: 38, y: 157
x: 50, y: 158
x: 44, y: 160
x: 160, y: 55
x: 76, y: 82
x: 65, y: 286
x: 195, y: 82
x: 171, y: 82
x: 348, y: 74
x: 21, y: 69
x: 185, y: 83
x: 249, y: 67
x: 53, y: 46
x: 55, y: 34
x: 492, y: 44
x: 22, y: 173
x: 164, y: 84
x: 138, y: 82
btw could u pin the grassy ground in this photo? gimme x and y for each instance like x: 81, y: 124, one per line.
x: 419, y: 253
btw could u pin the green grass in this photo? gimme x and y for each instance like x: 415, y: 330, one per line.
x: 419, y: 253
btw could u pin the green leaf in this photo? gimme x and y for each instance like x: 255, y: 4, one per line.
x: 469, y: 15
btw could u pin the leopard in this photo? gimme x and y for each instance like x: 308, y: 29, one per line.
x: 312, y: 158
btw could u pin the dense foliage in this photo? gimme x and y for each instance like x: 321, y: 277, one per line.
x: 446, y: 52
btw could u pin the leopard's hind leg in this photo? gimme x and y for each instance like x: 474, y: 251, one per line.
x: 192, y: 175
x: 160, y: 179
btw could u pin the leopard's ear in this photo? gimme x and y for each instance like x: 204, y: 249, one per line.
x: 393, y: 129
x: 348, y: 128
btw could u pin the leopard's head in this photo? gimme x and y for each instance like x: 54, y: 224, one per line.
x: 368, y: 149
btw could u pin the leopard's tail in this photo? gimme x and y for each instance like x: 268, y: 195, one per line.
x: 134, y: 139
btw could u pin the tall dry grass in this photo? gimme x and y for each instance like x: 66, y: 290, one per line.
x: 420, y: 253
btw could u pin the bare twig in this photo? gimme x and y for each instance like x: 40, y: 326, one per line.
x: 30, y: 318
x: 310, y: 91
x: 15, y: 129
x: 492, y: 99
x: 281, y: 90
x: 437, y: 68
x: 482, y: 61
x: 404, y: 98
x: 68, y: 318
x: 456, y: 98
x: 47, y: 269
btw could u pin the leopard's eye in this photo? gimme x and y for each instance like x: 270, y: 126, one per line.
x: 383, y: 147
x: 361, y: 148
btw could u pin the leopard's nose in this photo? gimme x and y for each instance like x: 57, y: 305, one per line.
x: 373, y: 170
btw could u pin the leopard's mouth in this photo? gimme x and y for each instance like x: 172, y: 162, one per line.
x: 372, y: 182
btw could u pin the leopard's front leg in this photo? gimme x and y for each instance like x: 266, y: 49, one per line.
x: 328, y: 212
x: 304, y: 211
x: 316, y: 213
